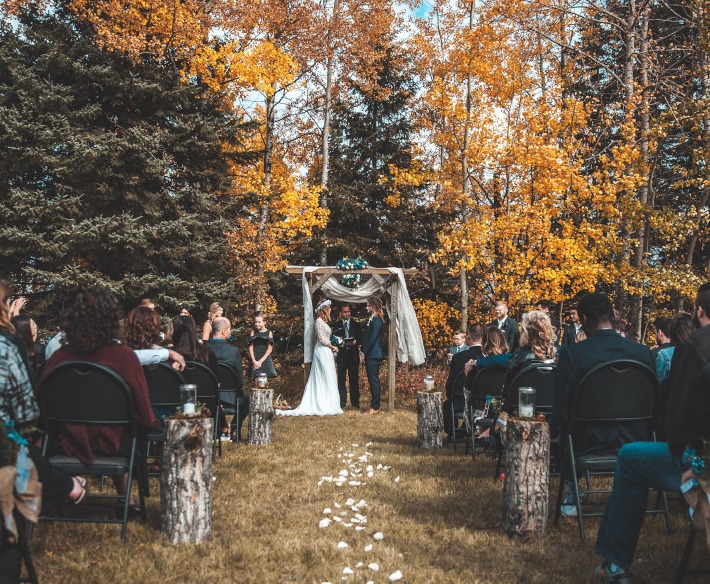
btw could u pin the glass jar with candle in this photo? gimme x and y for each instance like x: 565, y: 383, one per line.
x: 262, y: 380
x: 188, y: 397
x: 429, y: 383
x: 526, y: 402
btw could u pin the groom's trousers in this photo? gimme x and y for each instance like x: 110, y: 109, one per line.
x: 349, y: 368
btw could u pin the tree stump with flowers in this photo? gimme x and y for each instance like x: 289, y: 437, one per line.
x: 430, y: 419
x: 527, y: 478
x: 261, y: 415
x: 186, y: 480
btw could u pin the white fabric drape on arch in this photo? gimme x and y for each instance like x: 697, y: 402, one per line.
x: 410, y: 346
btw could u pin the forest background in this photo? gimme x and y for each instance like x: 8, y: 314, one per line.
x: 188, y: 150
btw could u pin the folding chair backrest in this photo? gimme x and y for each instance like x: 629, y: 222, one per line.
x: 617, y: 391
x: 541, y: 376
x: 228, y: 378
x: 205, y: 380
x: 163, y: 385
x: 488, y: 381
x: 86, y: 393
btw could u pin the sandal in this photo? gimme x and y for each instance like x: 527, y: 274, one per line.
x: 281, y: 404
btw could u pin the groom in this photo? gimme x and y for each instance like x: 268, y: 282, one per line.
x: 348, y: 360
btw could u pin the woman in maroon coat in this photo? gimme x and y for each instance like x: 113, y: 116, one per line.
x: 91, y: 333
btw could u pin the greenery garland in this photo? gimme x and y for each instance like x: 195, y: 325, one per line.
x: 358, y: 263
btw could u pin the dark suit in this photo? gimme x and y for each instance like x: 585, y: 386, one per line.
x: 510, y: 330
x: 569, y: 336
x: 371, y: 339
x: 348, y: 362
x: 575, y: 361
x: 229, y: 354
x: 456, y: 366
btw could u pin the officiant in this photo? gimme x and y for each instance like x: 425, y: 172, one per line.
x: 348, y: 360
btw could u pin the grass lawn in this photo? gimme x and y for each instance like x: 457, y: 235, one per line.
x: 441, y: 520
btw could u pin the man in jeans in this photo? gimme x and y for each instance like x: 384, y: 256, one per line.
x: 658, y: 465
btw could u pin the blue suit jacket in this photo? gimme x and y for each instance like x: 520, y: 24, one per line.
x: 371, y: 338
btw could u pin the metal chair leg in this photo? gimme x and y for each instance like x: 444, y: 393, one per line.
x: 687, y: 551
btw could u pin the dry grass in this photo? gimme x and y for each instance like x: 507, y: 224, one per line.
x: 441, y: 522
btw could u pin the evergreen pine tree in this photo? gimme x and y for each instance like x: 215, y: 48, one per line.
x: 110, y: 173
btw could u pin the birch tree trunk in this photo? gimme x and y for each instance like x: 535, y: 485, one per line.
x: 430, y: 420
x: 186, y: 481
x: 527, y: 478
x: 261, y: 414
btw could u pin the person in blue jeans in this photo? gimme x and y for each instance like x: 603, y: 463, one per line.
x: 372, y: 354
x: 658, y: 465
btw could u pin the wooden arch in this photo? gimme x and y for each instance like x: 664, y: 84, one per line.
x: 390, y: 286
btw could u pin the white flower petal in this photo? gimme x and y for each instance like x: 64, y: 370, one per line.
x: 370, y: 474
x: 359, y: 565
x: 336, y: 505
x: 394, y: 576
x: 378, y: 536
x: 342, y: 545
x: 359, y: 528
x: 343, y: 473
x: 369, y: 468
x: 336, y: 518
x: 396, y: 480
x: 374, y: 567
x: 327, y: 511
x: 324, y: 523
x: 348, y: 570
x: 368, y: 547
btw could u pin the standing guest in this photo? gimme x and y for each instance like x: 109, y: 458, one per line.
x: 147, y: 303
x: 506, y: 324
x: 459, y: 344
x: 91, y: 330
x: 372, y: 354
x: 347, y: 360
x: 19, y: 407
x: 679, y: 329
x: 663, y: 336
x: 26, y: 331
x: 230, y: 355
x: 474, y: 339
x: 215, y: 311
x: 261, y: 345
x: 658, y: 465
x: 572, y: 329
x: 184, y: 311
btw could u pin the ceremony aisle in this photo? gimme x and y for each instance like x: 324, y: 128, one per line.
x: 345, y: 499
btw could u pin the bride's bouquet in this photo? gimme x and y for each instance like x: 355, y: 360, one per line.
x: 336, y: 340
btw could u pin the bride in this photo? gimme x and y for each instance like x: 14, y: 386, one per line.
x: 321, y: 397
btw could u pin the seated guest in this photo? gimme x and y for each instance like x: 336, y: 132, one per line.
x: 91, y: 330
x: 663, y: 336
x: 26, y: 331
x: 186, y: 343
x: 537, y: 345
x: 602, y: 345
x: 474, y: 339
x: 19, y: 407
x: 658, y: 465
x: 573, y: 329
x: 680, y: 328
x: 495, y: 352
x: 229, y: 354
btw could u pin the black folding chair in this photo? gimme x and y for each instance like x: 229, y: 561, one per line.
x: 230, y: 390
x: 541, y: 376
x: 79, y: 392
x: 615, y: 400
x: 487, y: 383
x: 207, y: 393
x: 457, y: 403
x: 685, y: 558
x: 164, y: 389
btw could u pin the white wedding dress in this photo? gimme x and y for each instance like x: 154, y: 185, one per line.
x: 321, y: 397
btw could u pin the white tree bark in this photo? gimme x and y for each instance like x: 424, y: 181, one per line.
x: 261, y: 414
x: 186, y: 481
x: 430, y: 420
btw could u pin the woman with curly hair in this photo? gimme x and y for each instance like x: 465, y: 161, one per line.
x: 91, y: 333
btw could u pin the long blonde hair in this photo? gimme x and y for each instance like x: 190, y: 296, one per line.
x: 538, y: 334
x: 214, y: 307
x: 494, y: 342
x: 377, y: 306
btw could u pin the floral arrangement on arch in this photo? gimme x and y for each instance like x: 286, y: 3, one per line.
x: 352, y: 280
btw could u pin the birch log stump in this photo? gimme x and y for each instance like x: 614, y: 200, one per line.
x: 186, y: 480
x: 527, y: 478
x: 261, y: 414
x: 430, y: 420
